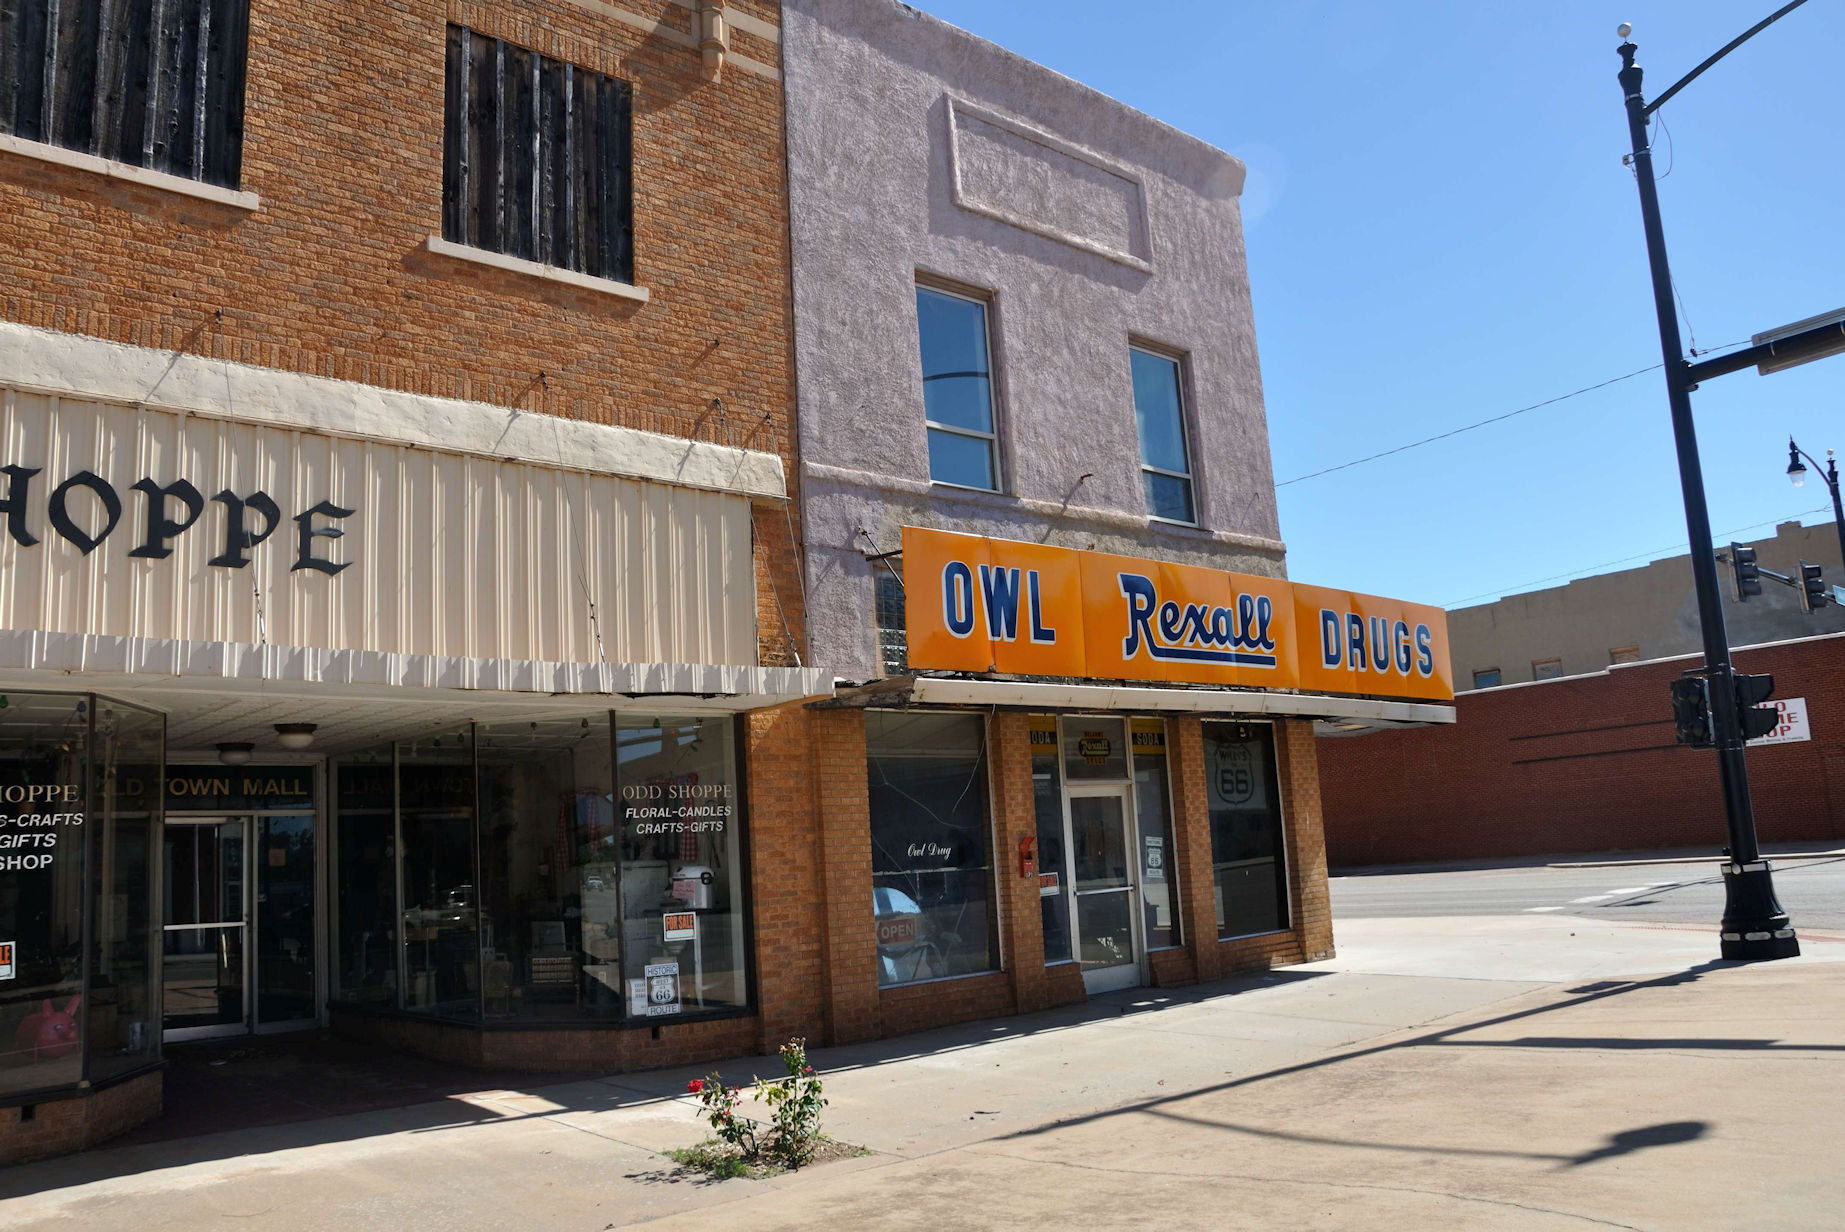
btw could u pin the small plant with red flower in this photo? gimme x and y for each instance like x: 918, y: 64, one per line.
x: 791, y: 1139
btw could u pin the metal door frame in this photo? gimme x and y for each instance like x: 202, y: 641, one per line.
x: 1129, y: 974
x: 195, y: 822
x: 251, y: 1022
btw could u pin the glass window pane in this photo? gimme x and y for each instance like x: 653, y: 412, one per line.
x: 285, y: 932
x: 125, y: 804
x: 957, y: 385
x: 441, y: 938
x: 365, y: 878
x: 1159, y: 887
x: 43, y: 742
x: 1168, y: 496
x: 966, y: 460
x: 682, y: 882
x: 1047, y: 802
x: 1246, y: 842
x: 931, y: 873
x: 1095, y: 749
x: 1157, y: 411
x: 548, y: 861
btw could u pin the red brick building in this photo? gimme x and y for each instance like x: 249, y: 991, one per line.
x: 1585, y: 763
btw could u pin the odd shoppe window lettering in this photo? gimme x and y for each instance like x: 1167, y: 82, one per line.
x: 1246, y: 844
x: 153, y: 84
x: 537, y: 158
x: 85, y: 509
x: 931, y: 872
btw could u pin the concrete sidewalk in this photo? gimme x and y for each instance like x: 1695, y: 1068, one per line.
x: 1515, y: 1072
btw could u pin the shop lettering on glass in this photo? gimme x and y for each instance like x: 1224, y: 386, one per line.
x: 677, y: 804
x: 1095, y: 748
x: 930, y: 851
x: 85, y: 509
x: 29, y: 836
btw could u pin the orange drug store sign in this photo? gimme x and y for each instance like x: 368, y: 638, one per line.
x: 995, y: 605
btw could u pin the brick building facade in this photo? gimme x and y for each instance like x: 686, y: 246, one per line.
x: 1585, y: 763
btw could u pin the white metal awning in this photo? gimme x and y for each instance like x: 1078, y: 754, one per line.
x: 1341, y: 715
x: 223, y: 691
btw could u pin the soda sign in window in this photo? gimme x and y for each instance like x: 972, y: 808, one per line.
x: 1793, y: 726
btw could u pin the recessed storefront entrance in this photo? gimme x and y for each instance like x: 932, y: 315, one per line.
x: 240, y: 901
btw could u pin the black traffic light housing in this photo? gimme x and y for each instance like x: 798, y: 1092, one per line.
x: 1744, y: 572
x: 1691, y: 711
x: 1812, y: 588
x: 1755, y: 719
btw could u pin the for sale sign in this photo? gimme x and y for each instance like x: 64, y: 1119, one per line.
x: 6, y: 960
x: 1793, y: 725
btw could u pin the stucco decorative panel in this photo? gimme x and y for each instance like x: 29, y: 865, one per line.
x: 208, y: 529
x: 1023, y: 175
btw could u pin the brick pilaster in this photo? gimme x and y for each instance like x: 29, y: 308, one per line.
x: 786, y: 893
x: 1310, y: 905
x: 1015, y: 818
x: 842, y: 816
x: 1191, y: 837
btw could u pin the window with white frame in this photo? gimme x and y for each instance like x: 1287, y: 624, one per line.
x: 1159, y: 412
x: 957, y: 375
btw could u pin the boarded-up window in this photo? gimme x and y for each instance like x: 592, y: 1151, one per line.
x: 536, y: 158
x: 154, y: 83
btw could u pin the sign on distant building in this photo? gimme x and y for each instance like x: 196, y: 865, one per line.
x: 1793, y: 726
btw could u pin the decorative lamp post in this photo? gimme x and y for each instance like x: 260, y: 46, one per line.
x: 1798, y: 473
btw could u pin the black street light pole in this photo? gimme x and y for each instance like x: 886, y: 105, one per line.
x: 1798, y: 474
x: 1754, y: 925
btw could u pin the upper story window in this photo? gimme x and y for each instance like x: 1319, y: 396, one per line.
x: 1546, y: 669
x: 957, y: 389
x: 1165, y: 462
x: 145, y: 82
x: 1486, y: 678
x: 889, y: 618
x: 537, y: 158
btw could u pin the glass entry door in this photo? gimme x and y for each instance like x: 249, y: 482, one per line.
x: 239, y: 937
x: 1101, y: 849
x: 206, y: 940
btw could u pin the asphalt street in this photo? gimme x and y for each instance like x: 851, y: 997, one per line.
x: 1812, y: 891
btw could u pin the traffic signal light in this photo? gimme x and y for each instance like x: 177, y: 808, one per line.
x: 1754, y: 718
x: 1691, y: 711
x: 1812, y: 589
x: 1745, y: 572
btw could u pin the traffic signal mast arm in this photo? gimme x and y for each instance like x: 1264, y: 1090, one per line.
x: 1747, y: 576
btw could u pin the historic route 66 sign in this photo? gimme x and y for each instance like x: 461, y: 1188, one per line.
x: 1236, y: 779
x: 662, y: 988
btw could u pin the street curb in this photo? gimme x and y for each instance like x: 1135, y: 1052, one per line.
x: 1689, y: 860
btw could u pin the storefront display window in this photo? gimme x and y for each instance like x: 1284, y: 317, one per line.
x: 1047, y: 802
x: 441, y: 908
x: 365, y: 906
x: 681, y: 875
x: 1247, y: 854
x: 930, y: 855
x: 124, y: 813
x: 44, y: 741
x: 567, y: 869
x: 1159, y: 886
x: 548, y: 871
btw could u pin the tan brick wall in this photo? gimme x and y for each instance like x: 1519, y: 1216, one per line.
x: 1015, y: 817
x: 78, y: 1121
x: 787, y: 898
x: 1191, y: 839
x: 842, y: 813
x: 343, y: 143
x: 1310, y: 893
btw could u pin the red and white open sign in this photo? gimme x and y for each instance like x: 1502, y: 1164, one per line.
x: 1793, y: 726
x: 898, y: 930
x: 6, y: 960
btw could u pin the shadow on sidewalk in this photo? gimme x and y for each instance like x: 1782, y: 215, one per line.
x: 264, y: 1094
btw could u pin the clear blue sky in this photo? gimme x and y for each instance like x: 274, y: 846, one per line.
x: 1440, y: 229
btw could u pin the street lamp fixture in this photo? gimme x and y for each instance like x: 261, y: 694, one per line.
x: 1797, y: 472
